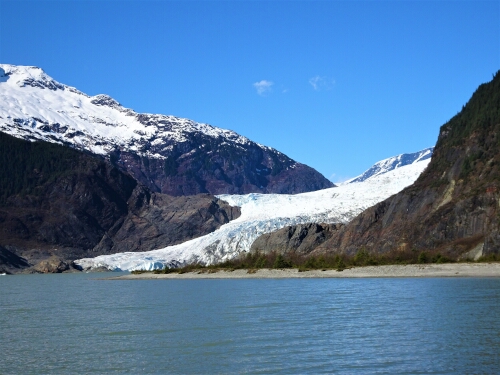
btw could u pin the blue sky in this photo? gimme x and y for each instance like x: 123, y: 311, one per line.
x: 337, y: 85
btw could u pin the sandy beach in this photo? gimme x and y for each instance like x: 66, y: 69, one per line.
x: 413, y: 270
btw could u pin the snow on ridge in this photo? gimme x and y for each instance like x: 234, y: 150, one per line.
x: 265, y: 213
x: 389, y: 164
x: 35, y: 106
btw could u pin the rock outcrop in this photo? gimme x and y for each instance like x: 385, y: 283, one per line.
x: 54, y: 264
x: 297, y: 239
x: 158, y: 220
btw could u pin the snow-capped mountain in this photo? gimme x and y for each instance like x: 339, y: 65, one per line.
x: 168, y: 154
x: 390, y: 164
x: 262, y: 214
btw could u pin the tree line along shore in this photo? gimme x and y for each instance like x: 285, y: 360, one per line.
x: 252, y: 262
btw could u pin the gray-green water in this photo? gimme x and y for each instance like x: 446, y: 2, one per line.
x: 67, y: 324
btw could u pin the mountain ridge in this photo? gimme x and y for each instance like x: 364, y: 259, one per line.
x: 167, y: 154
x: 389, y: 164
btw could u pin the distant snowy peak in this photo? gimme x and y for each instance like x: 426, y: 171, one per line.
x: 392, y: 163
x: 30, y: 76
x: 35, y: 106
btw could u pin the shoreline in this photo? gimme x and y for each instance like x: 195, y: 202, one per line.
x: 391, y: 271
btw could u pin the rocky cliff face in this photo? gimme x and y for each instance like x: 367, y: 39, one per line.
x: 167, y: 154
x: 157, y: 220
x: 295, y: 239
x: 453, y: 207
x: 56, y: 201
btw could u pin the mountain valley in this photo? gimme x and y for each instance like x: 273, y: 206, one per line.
x: 86, y: 184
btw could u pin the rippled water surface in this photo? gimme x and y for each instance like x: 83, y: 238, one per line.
x: 75, y: 323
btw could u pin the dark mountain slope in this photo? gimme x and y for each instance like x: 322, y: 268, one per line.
x: 158, y: 220
x: 55, y: 195
x: 453, y: 207
x: 203, y: 164
x: 58, y: 201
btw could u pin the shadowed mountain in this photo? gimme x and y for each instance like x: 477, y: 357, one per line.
x: 56, y: 201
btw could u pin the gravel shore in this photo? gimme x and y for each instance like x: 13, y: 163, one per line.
x: 413, y: 270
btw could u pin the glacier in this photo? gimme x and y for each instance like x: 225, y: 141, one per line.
x: 265, y: 213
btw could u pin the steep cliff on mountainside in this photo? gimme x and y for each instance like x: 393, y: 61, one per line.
x: 298, y: 239
x: 453, y: 207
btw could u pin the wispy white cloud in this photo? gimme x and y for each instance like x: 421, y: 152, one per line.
x: 263, y: 87
x: 336, y: 179
x: 319, y: 83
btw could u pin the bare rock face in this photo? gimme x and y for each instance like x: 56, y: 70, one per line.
x: 454, y: 206
x: 10, y: 262
x: 157, y: 220
x: 53, y: 264
x: 298, y: 239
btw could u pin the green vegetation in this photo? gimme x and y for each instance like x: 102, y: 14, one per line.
x: 423, y: 258
x: 489, y: 258
x: 26, y: 165
x: 254, y: 261
x: 281, y: 262
x: 480, y: 113
x: 472, y: 135
x: 469, y: 163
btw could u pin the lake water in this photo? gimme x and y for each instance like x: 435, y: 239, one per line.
x: 75, y: 323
